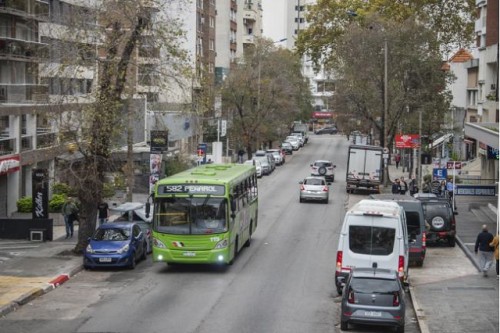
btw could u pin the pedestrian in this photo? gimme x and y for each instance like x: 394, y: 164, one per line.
x: 403, y: 185
x: 450, y: 188
x: 103, y: 212
x: 396, y: 187
x: 483, y: 240
x: 413, y: 186
x: 70, y: 213
x: 241, y: 152
x: 494, y: 244
x: 397, y: 159
x: 442, y: 189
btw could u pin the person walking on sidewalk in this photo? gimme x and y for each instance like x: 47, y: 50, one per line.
x: 397, y: 159
x: 70, y: 213
x: 396, y: 187
x: 494, y: 244
x: 483, y: 240
x: 103, y: 212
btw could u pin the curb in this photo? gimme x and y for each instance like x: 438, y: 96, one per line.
x: 37, y: 292
x: 419, y: 312
x: 468, y: 253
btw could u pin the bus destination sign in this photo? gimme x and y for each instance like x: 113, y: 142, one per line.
x: 191, y: 189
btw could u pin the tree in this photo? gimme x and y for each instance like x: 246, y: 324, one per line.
x: 265, y: 93
x: 415, y: 79
x: 114, y: 38
x: 451, y: 21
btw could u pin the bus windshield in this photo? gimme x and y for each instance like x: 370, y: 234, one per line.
x: 190, y: 216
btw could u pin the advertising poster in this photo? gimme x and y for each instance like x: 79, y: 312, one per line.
x: 154, y: 170
x: 40, y: 183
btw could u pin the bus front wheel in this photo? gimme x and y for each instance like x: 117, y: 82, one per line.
x: 249, y: 240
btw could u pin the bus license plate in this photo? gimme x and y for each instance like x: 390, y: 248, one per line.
x: 373, y: 313
x: 104, y: 259
x: 189, y: 254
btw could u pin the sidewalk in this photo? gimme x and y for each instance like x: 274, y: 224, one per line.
x: 449, y: 294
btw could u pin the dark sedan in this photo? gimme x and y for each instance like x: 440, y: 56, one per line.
x: 327, y: 130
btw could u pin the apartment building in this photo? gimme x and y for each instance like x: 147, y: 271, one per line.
x: 249, y: 18
x: 38, y: 88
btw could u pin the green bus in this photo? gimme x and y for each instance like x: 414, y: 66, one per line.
x: 205, y: 214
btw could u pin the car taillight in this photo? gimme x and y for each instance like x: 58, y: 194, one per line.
x: 350, y: 297
x: 339, y: 261
x: 452, y: 222
x: 395, y: 299
x: 424, y: 239
x: 325, y: 189
x: 302, y: 188
x: 401, y: 266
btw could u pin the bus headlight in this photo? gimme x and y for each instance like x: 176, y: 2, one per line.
x: 222, y: 244
x: 158, y: 243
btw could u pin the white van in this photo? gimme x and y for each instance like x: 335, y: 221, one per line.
x: 373, y: 233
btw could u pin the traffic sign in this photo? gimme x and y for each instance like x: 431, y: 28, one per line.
x: 454, y: 165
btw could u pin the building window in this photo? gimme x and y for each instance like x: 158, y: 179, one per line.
x: 211, y: 45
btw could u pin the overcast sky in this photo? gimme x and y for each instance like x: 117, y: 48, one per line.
x: 273, y: 20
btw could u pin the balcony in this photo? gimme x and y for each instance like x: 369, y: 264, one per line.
x: 23, y: 93
x: 7, y: 146
x: 16, y: 49
x: 26, y: 143
x: 30, y: 8
x: 248, y: 39
x: 46, y: 140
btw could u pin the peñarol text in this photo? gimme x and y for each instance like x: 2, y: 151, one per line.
x: 191, y: 189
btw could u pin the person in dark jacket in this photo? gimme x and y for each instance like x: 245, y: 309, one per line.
x: 396, y: 186
x: 483, y: 240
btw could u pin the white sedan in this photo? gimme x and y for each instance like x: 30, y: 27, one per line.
x: 258, y: 166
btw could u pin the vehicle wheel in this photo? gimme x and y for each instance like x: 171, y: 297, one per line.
x: 326, y: 201
x: 451, y: 241
x: 400, y: 329
x: 249, y: 240
x: 333, y: 178
x: 419, y: 263
x: 132, y: 263
x: 86, y: 267
x: 301, y: 200
x: 344, y: 325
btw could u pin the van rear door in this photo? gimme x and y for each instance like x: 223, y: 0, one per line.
x: 372, y: 239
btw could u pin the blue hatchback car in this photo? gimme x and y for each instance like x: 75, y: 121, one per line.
x: 117, y: 244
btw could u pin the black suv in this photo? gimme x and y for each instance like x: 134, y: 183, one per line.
x: 441, y: 220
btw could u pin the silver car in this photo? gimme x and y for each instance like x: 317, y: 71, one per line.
x: 314, y: 188
x: 373, y: 296
x: 258, y: 166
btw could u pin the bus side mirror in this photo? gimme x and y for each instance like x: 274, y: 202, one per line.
x: 233, y: 205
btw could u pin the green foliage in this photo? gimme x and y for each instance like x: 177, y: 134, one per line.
x: 108, y: 190
x: 63, y: 188
x: 120, y: 181
x: 175, y: 165
x: 55, y: 204
x: 24, y: 205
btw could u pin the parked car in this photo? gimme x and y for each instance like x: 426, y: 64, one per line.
x: 135, y: 212
x: 440, y: 217
x: 287, y: 147
x: 278, y: 157
x: 415, y: 221
x: 115, y: 244
x: 270, y: 158
x: 373, y: 296
x: 294, y: 142
x: 314, y: 188
x: 295, y: 137
x: 326, y: 130
x: 264, y: 162
x: 323, y: 168
x: 258, y: 166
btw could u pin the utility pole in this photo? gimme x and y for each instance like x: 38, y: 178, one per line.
x: 385, y: 139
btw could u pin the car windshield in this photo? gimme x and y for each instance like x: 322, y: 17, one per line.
x: 111, y: 234
x: 413, y: 222
x: 322, y: 164
x: 314, y: 181
x: 433, y: 209
x: 195, y: 216
x: 371, y: 240
x: 369, y: 285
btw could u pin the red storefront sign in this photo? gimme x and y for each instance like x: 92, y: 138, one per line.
x: 322, y: 115
x: 454, y: 165
x: 407, y: 141
x: 9, y: 164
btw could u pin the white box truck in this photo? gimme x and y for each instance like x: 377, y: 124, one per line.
x: 364, y: 168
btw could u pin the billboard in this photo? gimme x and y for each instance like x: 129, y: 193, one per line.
x: 407, y: 141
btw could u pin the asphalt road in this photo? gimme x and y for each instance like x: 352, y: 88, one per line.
x: 282, y: 283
